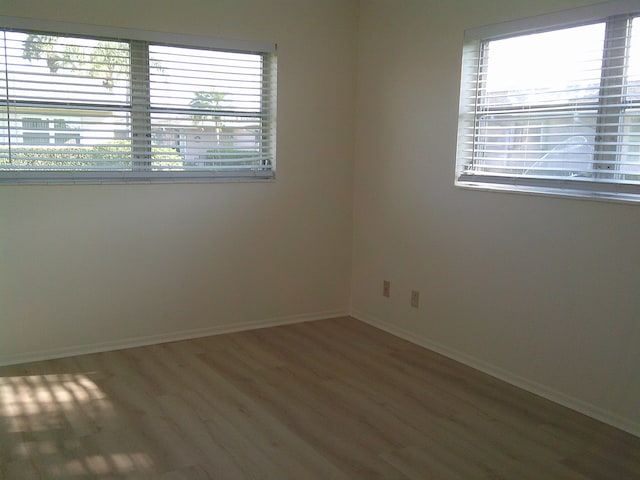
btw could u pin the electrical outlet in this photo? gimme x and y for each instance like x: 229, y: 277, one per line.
x: 386, y: 288
x: 415, y: 298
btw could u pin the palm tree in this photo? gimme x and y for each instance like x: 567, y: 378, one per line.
x: 210, y: 102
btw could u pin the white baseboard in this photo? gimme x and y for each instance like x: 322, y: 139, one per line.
x: 509, y: 377
x: 163, y: 338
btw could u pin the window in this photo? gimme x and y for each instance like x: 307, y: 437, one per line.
x: 86, y: 103
x: 552, y: 104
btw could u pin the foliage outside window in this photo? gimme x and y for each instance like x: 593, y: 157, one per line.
x: 552, y: 105
x: 80, y: 107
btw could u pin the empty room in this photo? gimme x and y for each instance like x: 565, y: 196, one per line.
x: 320, y: 239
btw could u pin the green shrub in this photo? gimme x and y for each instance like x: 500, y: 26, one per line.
x: 116, y: 154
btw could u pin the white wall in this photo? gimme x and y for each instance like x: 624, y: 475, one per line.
x: 84, y: 267
x: 541, y: 291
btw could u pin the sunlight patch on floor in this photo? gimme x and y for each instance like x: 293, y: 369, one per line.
x: 58, y: 419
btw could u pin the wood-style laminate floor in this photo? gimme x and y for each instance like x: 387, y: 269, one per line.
x: 332, y: 400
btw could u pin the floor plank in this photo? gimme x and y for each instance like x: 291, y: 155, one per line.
x: 332, y: 399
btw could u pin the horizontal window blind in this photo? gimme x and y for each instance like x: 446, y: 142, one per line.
x: 553, y: 109
x: 86, y: 108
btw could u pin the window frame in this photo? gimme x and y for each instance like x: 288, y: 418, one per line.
x: 614, y: 13
x: 141, y: 40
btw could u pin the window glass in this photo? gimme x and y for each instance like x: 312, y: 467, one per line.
x: 553, y: 67
x: 553, y: 111
x: 631, y: 118
x: 118, y: 109
x: 50, y: 67
x: 205, y: 117
x: 633, y: 62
